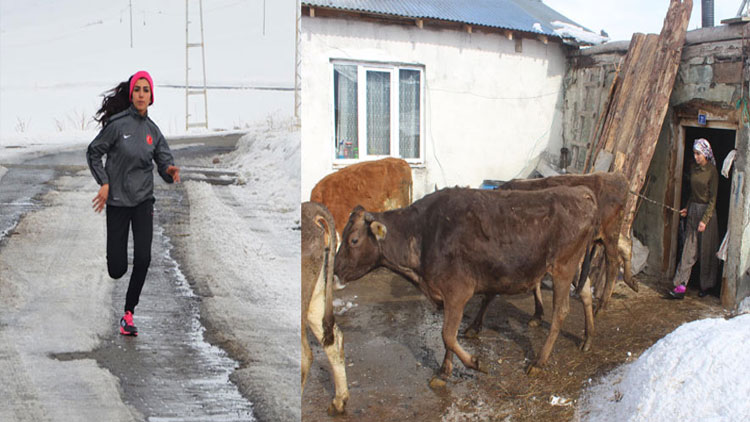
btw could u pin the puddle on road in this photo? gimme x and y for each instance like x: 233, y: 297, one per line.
x: 169, y: 372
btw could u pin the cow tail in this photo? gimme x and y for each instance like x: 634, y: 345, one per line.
x: 330, y: 249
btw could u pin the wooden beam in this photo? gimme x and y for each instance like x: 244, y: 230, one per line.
x: 543, y: 39
x: 636, y: 112
x: 312, y: 12
x: 420, y: 23
x: 508, y: 35
x: 468, y: 28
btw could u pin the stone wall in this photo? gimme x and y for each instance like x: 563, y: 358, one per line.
x: 710, y: 80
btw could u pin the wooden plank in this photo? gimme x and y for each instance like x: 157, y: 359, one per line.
x: 641, y: 99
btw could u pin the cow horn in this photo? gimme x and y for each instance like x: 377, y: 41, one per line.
x: 369, y: 218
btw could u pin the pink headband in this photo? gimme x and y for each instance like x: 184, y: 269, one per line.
x: 142, y: 74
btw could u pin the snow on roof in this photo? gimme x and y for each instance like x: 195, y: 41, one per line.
x: 520, y: 15
x: 579, y: 35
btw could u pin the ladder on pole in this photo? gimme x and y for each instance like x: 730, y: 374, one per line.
x: 190, y: 91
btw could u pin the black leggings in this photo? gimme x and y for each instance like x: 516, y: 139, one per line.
x: 119, y: 220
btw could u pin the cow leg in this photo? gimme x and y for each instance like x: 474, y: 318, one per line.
x: 536, y: 320
x: 560, y: 307
x: 588, y: 315
x: 334, y: 351
x: 610, y: 253
x: 453, y: 311
x: 625, y: 251
x: 476, y: 325
x: 307, y: 357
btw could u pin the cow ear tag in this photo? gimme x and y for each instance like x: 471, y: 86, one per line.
x: 379, y: 230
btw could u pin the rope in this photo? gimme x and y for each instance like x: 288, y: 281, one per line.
x: 655, y: 202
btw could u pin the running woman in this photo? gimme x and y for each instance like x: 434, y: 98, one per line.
x: 132, y: 143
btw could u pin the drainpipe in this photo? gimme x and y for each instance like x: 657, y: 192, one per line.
x: 707, y: 13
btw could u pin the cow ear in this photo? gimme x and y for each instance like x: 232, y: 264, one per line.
x: 378, y: 229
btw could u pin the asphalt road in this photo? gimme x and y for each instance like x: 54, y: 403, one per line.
x: 167, y: 373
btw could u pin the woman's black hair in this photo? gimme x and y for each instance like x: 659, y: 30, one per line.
x: 115, y: 100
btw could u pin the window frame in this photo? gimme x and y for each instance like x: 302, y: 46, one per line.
x: 393, y: 69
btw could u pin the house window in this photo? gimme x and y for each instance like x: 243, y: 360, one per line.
x: 377, y: 111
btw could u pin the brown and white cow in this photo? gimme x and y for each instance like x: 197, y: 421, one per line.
x: 318, y: 249
x: 611, y: 191
x: 379, y: 185
x: 455, y: 243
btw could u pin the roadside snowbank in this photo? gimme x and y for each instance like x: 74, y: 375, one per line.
x: 243, y: 254
x: 699, y: 372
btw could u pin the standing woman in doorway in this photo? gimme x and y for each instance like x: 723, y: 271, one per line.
x: 132, y: 143
x: 701, y: 233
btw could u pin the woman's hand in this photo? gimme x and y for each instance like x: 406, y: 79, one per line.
x: 174, y: 171
x: 701, y: 227
x: 683, y: 212
x: 101, y: 198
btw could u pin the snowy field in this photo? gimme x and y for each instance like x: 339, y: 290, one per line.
x: 59, y: 57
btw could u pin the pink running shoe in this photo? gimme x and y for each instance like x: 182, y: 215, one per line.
x: 126, y: 325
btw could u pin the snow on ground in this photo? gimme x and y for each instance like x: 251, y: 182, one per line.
x: 699, y: 372
x: 82, y: 48
x: 243, y: 254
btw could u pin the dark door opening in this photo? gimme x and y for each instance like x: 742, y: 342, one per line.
x: 722, y: 142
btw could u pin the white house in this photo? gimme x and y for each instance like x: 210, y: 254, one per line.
x: 464, y: 90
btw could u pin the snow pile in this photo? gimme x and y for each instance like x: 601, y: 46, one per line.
x: 268, y: 159
x: 578, y: 34
x: 699, y: 372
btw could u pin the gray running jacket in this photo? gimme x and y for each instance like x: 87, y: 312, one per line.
x: 132, y: 144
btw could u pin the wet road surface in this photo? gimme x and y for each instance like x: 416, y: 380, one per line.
x: 168, y: 372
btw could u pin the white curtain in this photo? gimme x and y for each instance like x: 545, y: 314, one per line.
x: 345, y: 110
x: 409, y: 115
x: 378, y: 113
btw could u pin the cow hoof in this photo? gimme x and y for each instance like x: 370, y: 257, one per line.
x: 533, y: 370
x: 535, y: 322
x: 471, y: 332
x: 480, y: 365
x: 586, y: 346
x: 336, y: 408
x: 437, y: 383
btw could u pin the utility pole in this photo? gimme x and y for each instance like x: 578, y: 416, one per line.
x: 297, y: 63
x: 742, y: 6
x: 130, y: 3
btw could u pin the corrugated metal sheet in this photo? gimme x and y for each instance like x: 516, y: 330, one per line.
x: 519, y: 15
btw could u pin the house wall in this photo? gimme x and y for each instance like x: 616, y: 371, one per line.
x: 710, y: 78
x: 489, y: 112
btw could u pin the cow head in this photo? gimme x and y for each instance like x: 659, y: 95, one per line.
x: 359, y: 252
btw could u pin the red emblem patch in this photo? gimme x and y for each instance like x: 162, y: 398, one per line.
x: 149, y: 140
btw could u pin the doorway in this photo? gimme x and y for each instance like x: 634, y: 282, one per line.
x: 722, y: 142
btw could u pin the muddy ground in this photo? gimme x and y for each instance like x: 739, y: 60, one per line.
x: 393, y: 348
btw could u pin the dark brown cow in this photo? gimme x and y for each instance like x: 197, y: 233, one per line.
x: 611, y: 191
x: 318, y: 249
x: 379, y: 185
x: 458, y: 242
